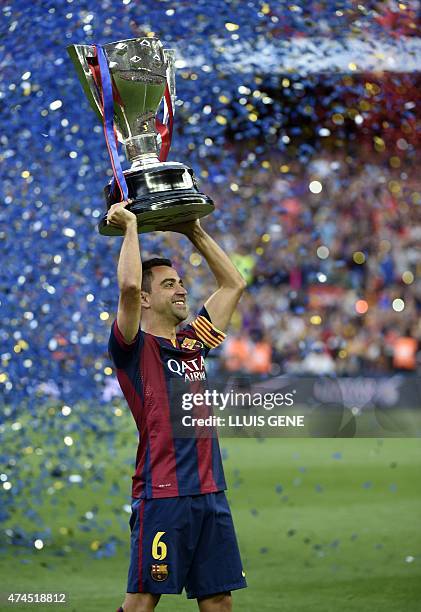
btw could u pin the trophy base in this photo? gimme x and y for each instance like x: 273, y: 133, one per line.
x: 162, y: 195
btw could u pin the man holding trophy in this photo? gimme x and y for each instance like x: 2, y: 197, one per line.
x: 182, y: 534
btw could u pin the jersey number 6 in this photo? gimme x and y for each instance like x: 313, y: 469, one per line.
x: 159, y: 549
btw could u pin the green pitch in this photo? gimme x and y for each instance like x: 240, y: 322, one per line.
x: 326, y: 525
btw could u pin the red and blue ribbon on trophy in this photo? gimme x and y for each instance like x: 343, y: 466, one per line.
x: 108, y: 93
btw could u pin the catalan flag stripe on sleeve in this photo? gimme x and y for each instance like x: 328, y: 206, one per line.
x: 207, y: 332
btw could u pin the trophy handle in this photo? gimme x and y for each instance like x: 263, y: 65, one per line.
x: 79, y: 55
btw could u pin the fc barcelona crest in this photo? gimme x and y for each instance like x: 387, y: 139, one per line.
x: 191, y: 344
x: 159, y: 571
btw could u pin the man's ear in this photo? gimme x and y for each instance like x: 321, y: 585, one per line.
x: 145, y: 299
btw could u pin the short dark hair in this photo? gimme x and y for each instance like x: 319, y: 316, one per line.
x: 147, y: 270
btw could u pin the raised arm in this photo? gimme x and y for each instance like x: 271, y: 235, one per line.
x: 231, y: 284
x: 129, y: 271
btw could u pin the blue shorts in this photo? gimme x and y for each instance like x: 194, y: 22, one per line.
x: 184, y: 542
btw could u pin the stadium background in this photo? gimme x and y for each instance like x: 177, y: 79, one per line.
x: 300, y: 120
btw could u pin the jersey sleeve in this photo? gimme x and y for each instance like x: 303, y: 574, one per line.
x: 120, y: 351
x: 206, y: 331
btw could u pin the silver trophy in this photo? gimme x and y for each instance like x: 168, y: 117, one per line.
x: 163, y: 193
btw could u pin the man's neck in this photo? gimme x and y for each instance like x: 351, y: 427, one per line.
x: 163, y: 329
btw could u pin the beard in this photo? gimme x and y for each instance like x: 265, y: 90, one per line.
x: 180, y: 313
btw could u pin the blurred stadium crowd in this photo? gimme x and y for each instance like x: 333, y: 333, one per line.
x: 331, y: 275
